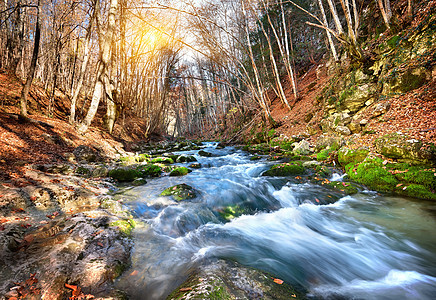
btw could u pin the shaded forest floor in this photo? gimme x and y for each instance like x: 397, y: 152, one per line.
x: 48, y: 139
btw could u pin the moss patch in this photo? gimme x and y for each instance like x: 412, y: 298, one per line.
x: 180, y: 171
x: 180, y: 192
x: 347, y: 156
x: 150, y: 170
x: 125, y: 226
x: 124, y: 174
x: 285, y: 169
x: 162, y: 160
x: 346, y: 187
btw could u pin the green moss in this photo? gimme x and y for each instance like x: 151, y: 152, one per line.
x: 323, y: 155
x: 230, y: 212
x: 372, y: 174
x: 417, y: 191
x: 143, y: 157
x: 346, y: 187
x: 125, y: 226
x: 393, y: 41
x: 285, y: 169
x: 150, y: 170
x: 83, y: 171
x: 162, y: 160
x: 323, y: 171
x: 256, y: 157
x: 180, y: 171
x: 180, y: 192
x: 183, y: 159
x: 124, y: 174
x: 347, y: 156
x: 128, y: 160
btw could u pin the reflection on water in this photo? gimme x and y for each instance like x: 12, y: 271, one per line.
x: 363, y: 246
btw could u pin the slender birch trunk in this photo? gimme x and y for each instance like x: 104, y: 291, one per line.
x: 329, y: 36
x: 102, y: 71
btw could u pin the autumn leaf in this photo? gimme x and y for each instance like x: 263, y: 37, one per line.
x: 71, y: 287
x: 278, y: 281
x: 134, y: 273
x: 185, y: 289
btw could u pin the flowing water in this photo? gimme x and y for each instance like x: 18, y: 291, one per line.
x: 364, y: 246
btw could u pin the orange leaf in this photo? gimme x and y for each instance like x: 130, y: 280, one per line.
x: 294, y: 296
x: 278, y: 281
x: 71, y: 287
x: 100, y: 244
x: 185, y: 289
x: 134, y: 273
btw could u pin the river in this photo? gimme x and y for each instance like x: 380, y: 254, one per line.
x: 364, y: 246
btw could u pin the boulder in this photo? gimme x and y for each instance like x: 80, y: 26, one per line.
x: 406, y: 81
x: 399, y: 146
x: 355, y: 127
x: 180, y: 192
x: 302, y: 148
x: 230, y: 280
x: 354, y: 99
x: 204, y: 153
x: 180, y: 171
x: 86, y: 154
x: 331, y: 141
x: 343, y: 130
x: 381, y: 109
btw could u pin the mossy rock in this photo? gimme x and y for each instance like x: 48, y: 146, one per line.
x: 323, y: 171
x: 162, y: 160
x: 404, y: 82
x: 125, y: 226
x: 204, y: 153
x: 180, y: 192
x: 348, y: 188
x: 416, y: 191
x: 183, y: 159
x: 398, y: 146
x: 226, y: 280
x: 139, y: 181
x: 150, y: 170
x: 285, y: 169
x: 415, y: 174
x: 143, y: 157
x: 347, y: 156
x: 323, y: 155
x: 230, y: 212
x: 124, y: 174
x: 100, y: 171
x: 83, y: 171
x: 256, y: 157
x: 371, y: 172
x: 128, y: 160
x: 180, y: 171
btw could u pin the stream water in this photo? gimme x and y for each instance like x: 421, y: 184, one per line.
x: 364, y: 246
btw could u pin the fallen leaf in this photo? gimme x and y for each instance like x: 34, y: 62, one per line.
x: 71, y: 287
x: 134, y: 273
x: 294, y: 296
x: 100, y: 244
x: 185, y: 289
x: 278, y: 281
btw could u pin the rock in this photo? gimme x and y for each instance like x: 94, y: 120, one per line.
x: 406, y: 81
x: 400, y: 147
x: 347, y: 155
x: 180, y: 171
x: 285, y: 169
x: 363, y: 122
x: 381, y: 109
x: 355, y: 99
x: 162, y: 160
x: 139, y: 181
x: 100, y: 171
x: 220, y: 146
x: 86, y: 154
x: 204, y: 153
x: 70, y: 157
x: 195, y: 166
x: 355, y: 127
x: 348, y: 188
x: 124, y: 174
x: 331, y: 141
x: 343, y: 130
x: 149, y: 170
x: 180, y: 192
x: 227, y: 280
x: 302, y: 148
x: 183, y: 159
x: 311, y: 164
x: 59, y: 169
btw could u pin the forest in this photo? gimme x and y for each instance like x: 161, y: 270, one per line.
x: 217, y: 149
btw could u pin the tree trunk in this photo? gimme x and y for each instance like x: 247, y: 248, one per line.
x: 386, y: 18
x: 31, y: 74
x: 329, y: 36
x: 410, y: 9
x: 335, y: 17
x: 16, y: 43
x: 102, y: 72
x: 86, y: 56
